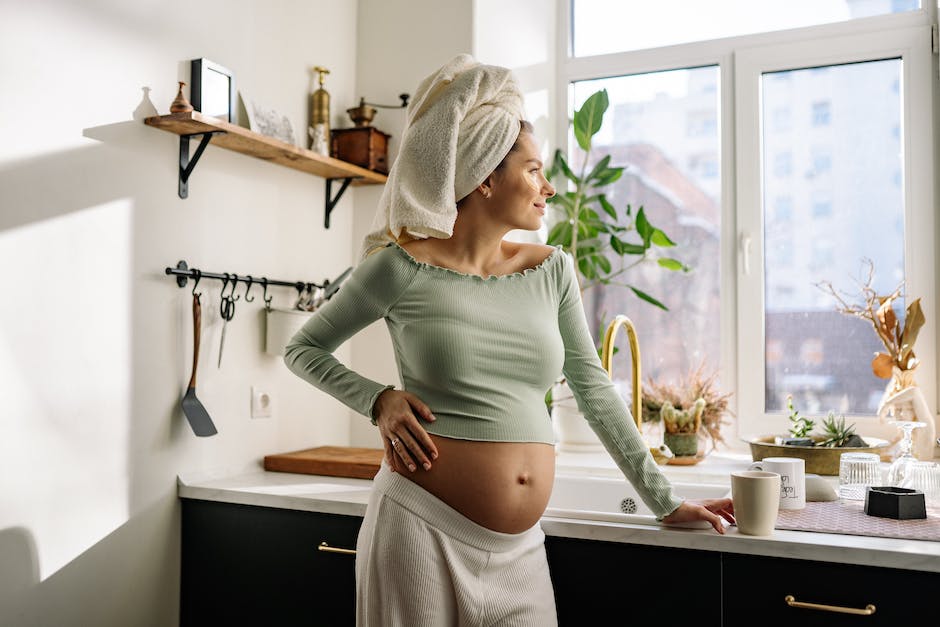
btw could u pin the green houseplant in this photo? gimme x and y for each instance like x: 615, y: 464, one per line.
x: 589, y: 227
x: 597, y: 236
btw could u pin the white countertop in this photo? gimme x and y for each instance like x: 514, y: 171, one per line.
x: 337, y: 495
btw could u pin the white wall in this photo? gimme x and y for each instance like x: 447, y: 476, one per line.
x: 95, y: 342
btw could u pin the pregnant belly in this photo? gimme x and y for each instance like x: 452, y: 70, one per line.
x: 503, y: 486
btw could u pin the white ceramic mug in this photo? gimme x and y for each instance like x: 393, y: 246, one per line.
x: 756, y: 498
x: 792, y: 471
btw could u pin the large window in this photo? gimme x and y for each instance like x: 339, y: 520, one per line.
x: 776, y: 161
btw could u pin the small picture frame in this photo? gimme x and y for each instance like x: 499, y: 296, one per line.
x: 212, y: 89
x: 268, y: 122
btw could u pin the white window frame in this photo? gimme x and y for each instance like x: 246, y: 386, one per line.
x: 741, y: 60
x: 912, y: 45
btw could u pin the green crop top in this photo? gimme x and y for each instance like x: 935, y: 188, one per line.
x: 480, y: 352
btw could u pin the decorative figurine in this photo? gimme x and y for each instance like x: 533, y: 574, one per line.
x: 180, y: 104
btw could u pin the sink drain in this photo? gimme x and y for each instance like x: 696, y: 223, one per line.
x: 628, y: 506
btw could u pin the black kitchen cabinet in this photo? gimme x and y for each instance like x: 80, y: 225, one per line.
x: 755, y: 590
x: 247, y: 565
x: 610, y: 583
x: 253, y: 565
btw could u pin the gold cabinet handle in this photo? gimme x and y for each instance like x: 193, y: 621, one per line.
x: 792, y: 602
x: 332, y: 549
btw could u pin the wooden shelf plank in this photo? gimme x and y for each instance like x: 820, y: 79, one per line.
x: 253, y: 144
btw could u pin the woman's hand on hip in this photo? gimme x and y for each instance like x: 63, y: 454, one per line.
x: 403, y: 437
x: 708, y: 510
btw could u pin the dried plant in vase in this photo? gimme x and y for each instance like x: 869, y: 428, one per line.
x: 902, y: 398
x: 898, y: 362
x: 697, y: 384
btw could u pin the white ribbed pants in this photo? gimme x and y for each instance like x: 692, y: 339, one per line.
x: 420, y: 563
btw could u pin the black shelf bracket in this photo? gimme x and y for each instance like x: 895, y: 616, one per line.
x: 330, y: 200
x: 186, y: 164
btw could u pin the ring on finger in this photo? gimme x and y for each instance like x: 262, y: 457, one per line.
x: 394, y: 442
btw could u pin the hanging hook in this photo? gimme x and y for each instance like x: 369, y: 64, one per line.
x: 224, y: 285
x: 267, y: 299
x: 248, y: 289
x: 232, y: 296
x: 227, y: 304
x: 198, y: 274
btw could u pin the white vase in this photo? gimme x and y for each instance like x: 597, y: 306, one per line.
x: 909, y: 404
x: 573, y: 434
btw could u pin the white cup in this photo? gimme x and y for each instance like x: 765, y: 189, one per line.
x: 792, y: 471
x: 756, y: 498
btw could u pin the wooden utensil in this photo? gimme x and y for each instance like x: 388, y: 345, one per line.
x: 197, y: 415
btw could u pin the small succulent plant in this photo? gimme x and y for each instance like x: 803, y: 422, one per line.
x: 682, y: 420
x: 837, y: 434
x: 800, y: 427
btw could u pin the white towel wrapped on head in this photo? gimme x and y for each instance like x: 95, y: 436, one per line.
x: 461, y: 123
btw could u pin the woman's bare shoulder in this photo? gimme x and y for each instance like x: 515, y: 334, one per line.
x: 421, y: 249
x: 532, y: 254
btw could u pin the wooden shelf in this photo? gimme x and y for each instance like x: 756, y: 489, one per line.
x: 238, y: 139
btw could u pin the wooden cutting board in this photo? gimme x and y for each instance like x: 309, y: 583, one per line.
x: 333, y: 461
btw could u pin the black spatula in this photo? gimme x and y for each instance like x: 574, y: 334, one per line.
x: 197, y: 415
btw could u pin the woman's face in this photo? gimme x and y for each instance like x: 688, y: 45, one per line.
x: 520, y: 188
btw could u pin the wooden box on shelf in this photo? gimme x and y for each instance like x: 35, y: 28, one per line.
x: 364, y: 146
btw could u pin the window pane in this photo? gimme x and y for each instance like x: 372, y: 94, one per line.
x: 838, y: 200
x: 664, y: 128
x: 604, y: 26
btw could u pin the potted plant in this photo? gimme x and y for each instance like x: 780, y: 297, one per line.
x: 698, y: 389
x: 821, y: 450
x: 592, y: 231
x: 681, y: 427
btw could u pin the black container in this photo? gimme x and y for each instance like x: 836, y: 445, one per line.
x: 897, y: 503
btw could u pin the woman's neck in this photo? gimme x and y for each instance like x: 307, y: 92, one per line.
x: 475, y: 244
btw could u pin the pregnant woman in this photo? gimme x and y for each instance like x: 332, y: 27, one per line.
x: 481, y: 328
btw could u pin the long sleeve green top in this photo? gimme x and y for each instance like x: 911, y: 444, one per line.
x: 480, y: 352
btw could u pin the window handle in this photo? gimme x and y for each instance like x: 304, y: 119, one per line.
x: 746, y: 252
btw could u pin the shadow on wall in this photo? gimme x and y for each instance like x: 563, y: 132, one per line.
x: 92, y: 533
x: 19, y: 571
x: 98, y: 587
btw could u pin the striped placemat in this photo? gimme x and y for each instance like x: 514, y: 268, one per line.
x: 849, y: 517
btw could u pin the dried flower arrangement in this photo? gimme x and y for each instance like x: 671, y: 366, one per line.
x: 697, y: 384
x: 898, y: 361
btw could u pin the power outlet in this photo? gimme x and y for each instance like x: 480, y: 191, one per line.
x: 262, y: 405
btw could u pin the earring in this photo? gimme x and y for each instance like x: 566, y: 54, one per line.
x: 486, y: 194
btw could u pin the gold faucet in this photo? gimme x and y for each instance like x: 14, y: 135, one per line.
x: 607, y: 359
x: 661, y: 454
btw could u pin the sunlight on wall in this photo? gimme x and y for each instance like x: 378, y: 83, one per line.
x: 66, y: 418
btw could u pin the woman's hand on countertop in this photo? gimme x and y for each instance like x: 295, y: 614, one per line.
x: 395, y: 413
x: 709, y: 510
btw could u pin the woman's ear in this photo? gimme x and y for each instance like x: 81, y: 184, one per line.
x: 486, y: 187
